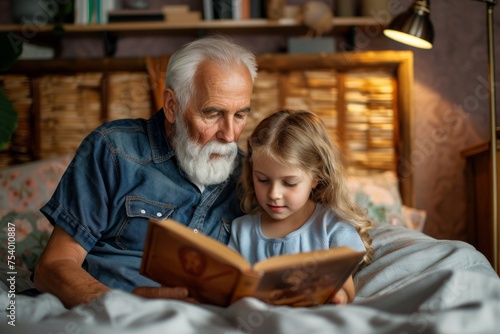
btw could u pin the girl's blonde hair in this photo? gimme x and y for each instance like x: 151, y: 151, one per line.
x: 299, y: 138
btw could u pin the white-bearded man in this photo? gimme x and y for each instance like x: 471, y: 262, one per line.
x: 183, y: 163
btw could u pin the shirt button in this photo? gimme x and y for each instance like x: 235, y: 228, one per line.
x: 143, y: 211
x: 158, y: 214
x: 195, y: 230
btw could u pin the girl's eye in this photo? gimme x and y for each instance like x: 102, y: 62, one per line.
x: 262, y: 180
x: 291, y: 185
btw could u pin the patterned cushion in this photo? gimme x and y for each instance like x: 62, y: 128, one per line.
x: 414, y: 218
x: 379, y: 195
x: 32, y: 230
x: 23, y: 190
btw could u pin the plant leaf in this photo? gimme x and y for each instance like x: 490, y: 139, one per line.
x: 12, y: 47
x: 8, y: 115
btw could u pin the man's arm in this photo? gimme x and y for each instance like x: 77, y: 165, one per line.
x: 60, y: 271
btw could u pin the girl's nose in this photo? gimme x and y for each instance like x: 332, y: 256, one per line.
x: 275, y: 193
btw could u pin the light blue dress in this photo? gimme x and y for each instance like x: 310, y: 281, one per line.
x: 321, y: 231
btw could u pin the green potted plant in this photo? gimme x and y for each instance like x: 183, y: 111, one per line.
x: 8, y: 114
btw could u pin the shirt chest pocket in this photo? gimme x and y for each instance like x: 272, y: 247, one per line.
x: 139, y: 210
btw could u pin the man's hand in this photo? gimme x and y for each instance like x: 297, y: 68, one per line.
x: 163, y: 292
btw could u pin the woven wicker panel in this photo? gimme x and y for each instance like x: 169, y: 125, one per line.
x: 129, y: 95
x: 315, y: 91
x: 369, y: 121
x: 265, y: 100
x: 17, y: 89
x: 70, y: 107
x: 363, y: 126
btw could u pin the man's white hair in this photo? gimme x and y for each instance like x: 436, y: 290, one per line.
x: 183, y: 64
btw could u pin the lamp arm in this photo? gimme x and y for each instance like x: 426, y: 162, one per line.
x: 490, y: 4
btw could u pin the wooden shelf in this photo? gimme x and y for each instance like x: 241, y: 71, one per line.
x: 127, y: 27
x: 112, y: 31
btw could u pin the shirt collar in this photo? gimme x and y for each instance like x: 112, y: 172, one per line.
x: 162, y: 150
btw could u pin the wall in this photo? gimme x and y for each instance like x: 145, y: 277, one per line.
x: 451, y: 107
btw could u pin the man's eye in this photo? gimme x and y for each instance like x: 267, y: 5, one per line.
x: 212, y: 115
x: 241, y: 115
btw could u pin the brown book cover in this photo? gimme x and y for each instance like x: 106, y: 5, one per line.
x: 174, y: 255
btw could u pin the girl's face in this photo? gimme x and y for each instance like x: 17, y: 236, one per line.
x: 282, y: 191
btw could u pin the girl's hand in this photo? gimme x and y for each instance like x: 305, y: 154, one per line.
x: 340, y: 297
x: 346, y: 294
x: 164, y: 293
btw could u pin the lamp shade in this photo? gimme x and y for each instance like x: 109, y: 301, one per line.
x: 413, y: 27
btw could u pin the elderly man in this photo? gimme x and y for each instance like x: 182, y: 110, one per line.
x: 182, y: 163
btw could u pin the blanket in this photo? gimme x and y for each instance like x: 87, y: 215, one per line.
x: 416, y: 284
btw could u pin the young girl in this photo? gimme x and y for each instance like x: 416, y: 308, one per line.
x: 294, y: 192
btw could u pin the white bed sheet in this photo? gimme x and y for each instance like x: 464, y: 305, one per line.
x: 416, y: 284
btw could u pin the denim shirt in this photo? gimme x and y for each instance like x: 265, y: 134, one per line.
x: 124, y: 173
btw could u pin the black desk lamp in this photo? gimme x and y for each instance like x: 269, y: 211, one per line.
x: 413, y: 27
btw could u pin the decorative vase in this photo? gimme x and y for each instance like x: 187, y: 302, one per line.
x: 375, y: 8
x: 37, y: 12
x: 275, y: 9
x: 346, y: 8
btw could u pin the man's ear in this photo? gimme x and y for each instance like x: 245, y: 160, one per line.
x: 169, y: 103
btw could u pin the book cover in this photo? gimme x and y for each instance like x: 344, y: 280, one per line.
x: 223, y: 9
x: 81, y: 11
x: 208, y: 10
x: 174, y: 255
x: 257, y: 9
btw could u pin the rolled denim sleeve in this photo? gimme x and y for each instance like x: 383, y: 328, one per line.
x: 80, y: 204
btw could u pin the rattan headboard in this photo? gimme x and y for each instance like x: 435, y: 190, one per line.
x: 365, y: 99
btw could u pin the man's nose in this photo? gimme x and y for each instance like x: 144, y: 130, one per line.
x: 225, y: 132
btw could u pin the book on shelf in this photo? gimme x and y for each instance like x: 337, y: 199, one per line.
x: 135, y: 15
x: 180, y: 13
x: 94, y: 11
x: 176, y: 256
x: 208, y: 10
x: 257, y: 9
x: 228, y: 9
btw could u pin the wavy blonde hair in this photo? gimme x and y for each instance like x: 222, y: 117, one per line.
x: 299, y: 138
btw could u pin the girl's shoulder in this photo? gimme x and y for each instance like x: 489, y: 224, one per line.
x: 246, y: 220
x: 325, y: 213
x: 330, y: 220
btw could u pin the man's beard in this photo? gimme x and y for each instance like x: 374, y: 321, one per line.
x: 195, y: 159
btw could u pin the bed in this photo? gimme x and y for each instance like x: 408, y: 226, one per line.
x: 416, y: 284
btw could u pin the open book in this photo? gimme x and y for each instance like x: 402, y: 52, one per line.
x: 175, y: 255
